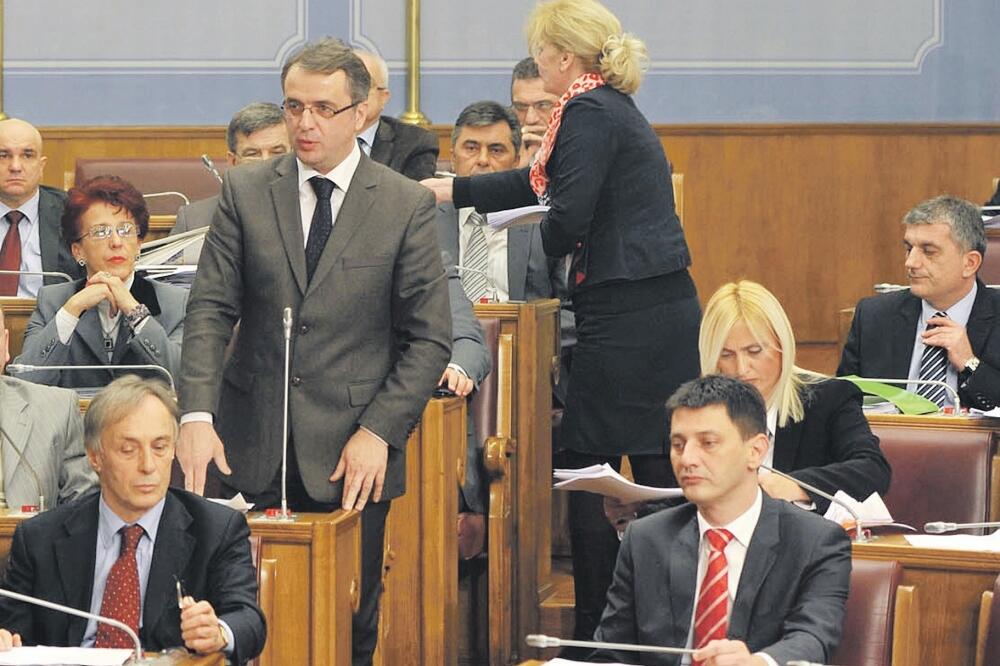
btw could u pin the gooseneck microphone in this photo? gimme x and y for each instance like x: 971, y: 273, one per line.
x: 942, y: 528
x: 210, y: 165
x: 286, y: 323
x: 35, y: 601
x: 490, y: 282
x: 58, y: 274
x: 543, y: 641
x: 859, y: 533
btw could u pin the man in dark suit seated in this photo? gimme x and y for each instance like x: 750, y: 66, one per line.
x: 404, y: 148
x: 29, y: 214
x: 532, y: 105
x: 738, y: 576
x: 119, y: 553
x: 945, y: 327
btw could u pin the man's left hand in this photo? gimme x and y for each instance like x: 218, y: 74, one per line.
x: 780, y: 488
x: 457, y: 382
x: 727, y: 653
x: 200, y: 628
x: 362, y: 466
x: 951, y: 335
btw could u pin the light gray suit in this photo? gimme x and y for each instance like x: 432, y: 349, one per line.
x: 195, y: 215
x: 43, y: 423
x: 158, y: 341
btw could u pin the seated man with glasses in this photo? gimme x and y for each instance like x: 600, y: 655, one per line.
x: 532, y: 105
x: 112, y: 317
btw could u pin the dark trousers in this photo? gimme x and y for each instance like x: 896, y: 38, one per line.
x: 594, y: 541
x: 364, y: 625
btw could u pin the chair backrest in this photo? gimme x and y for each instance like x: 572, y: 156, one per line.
x: 868, y: 619
x: 484, y: 401
x: 149, y: 175
x: 989, y: 272
x: 937, y: 474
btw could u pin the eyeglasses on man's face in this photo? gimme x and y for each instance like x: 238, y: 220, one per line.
x: 104, y: 231
x: 541, y: 107
x: 295, y: 109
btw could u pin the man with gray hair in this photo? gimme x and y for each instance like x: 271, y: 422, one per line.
x: 945, y: 327
x: 121, y: 552
x: 256, y: 133
x: 404, y: 148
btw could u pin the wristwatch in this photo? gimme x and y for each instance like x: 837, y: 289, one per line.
x: 971, y: 365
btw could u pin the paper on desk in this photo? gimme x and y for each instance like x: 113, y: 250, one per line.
x: 872, y: 511
x: 989, y: 543
x: 566, y: 662
x: 604, y: 480
x: 237, y: 502
x: 42, y: 655
x: 524, y: 215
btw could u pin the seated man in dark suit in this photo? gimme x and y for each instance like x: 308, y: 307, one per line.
x: 945, y: 327
x: 404, y: 148
x: 119, y: 553
x: 533, y: 106
x: 737, y: 576
x: 255, y: 133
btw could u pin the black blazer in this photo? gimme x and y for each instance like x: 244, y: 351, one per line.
x: 880, y: 343
x: 406, y: 149
x: 55, y: 253
x: 203, y: 544
x: 609, y: 188
x: 789, y: 602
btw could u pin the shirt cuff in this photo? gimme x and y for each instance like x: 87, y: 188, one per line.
x: 808, y: 506
x: 231, y: 642
x: 766, y: 657
x: 196, y: 417
x: 375, y: 436
x: 65, y: 325
x: 141, y: 325
x: 457, y: 367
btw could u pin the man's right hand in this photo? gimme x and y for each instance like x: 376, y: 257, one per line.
x: 531, y: 141
x: 198, y: 444
x: 9, y: 640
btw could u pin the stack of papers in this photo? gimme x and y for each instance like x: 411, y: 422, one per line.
x: 604, y: 480
x: 168, y: 250
x: 989, y: 543
x: 237, y: 503
x: 872, y: 511
x: 525, y: 215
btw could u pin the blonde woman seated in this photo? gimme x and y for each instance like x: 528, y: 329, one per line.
x: 817, y: 429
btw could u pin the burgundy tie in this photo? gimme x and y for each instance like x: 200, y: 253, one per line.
x: 121, y: 593
x: 10, y: 254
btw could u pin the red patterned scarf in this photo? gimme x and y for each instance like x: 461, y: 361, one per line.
x: 539, y: 179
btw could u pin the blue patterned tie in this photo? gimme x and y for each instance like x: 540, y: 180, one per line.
x: 934, y: 366
x: 322, y: 222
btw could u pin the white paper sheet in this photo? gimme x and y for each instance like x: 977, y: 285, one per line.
x: 989, y: 543
x: 604, y: 480
x: 43, y: 656
x: 238, y: 502
x: 525, y: 215
x: 872, y: 511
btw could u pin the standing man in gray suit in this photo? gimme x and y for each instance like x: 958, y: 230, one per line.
x: 255, y: 133
x: 350, y: 247
x: 29, y: 214
x: 41, y: 452
x: 404, y: 148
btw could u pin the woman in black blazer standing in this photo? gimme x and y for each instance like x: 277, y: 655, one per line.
x: 602, y: 171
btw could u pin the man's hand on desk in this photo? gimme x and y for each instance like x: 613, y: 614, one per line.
x: 727, y: 653
x: 198, y: 444
x: 457, y: 382
x: 9, y: 640
x: 362, y: 466
x: 200, y: 628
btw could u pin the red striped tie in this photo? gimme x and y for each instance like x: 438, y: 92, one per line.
x: 711, y: 615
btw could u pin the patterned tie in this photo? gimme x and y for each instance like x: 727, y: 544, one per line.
x: 121, y: 593
x: 934, y: 366
x: 322, y: 222
x: 711, y: 614
x: 476, y: 258
x: 10, y: 254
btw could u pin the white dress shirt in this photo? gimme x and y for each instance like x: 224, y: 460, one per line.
x: 496, y: 247
x: 958, y: 313
x: 31, y: 245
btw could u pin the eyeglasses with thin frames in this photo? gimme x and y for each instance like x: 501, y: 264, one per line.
x: 541, y: 107
x: 295, y: 109
x: 103, y: 231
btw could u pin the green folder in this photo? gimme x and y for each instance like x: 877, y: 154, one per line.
x: 907, y: 402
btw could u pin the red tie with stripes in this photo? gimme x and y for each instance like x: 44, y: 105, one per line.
x: 711, y: 615
x: 121, y: 593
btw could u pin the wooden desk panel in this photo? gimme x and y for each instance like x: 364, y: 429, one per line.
x: 17, y: 312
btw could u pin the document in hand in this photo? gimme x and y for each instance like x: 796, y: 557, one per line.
x: 604, y: 480
x: 75, y: 655
x: 237, y: 503
x: 524, y: 215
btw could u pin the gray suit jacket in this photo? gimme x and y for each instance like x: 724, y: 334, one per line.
x: 406, y: 149
x: 790, y: 599
x: 468, y: 346
x: 194, y: 216
x: 158, y: 342
x: 42, y: 438
x: 55, y: 254
x: 371, y: 334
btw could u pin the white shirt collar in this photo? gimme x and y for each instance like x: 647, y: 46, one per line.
x: 29, y: 208
x: 368, y: 136
x: 109, y: 523
x: 742, y: 526
x: 958, y: 313
x: 341, y: 175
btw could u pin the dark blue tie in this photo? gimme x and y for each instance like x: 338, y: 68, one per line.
x: 322, y: 223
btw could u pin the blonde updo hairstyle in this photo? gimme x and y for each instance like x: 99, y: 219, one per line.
x: 593, y: 34
x: 760, y: 311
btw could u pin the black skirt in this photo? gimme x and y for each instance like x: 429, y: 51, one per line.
x: 636, y: 343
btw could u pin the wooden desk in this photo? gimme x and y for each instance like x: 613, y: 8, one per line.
x: 949, y: 586
x: 17, y: 312
x: 179, y: 658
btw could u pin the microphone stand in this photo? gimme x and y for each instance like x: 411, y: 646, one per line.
x: 494, y: 298
x: 941, y: 528
x: 58, y: 274
x: 543, y: 641
x: 859, y: 534
x: 285, y: 515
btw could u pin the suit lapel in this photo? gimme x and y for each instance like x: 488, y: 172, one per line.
x: 75, y: 554
x: 48, y: 230
x: 285, y: 197
x: 682, y: 572
x: 518, y: 249
x: 903, y: 334
x: 359, y: 198
x: 761, y: 554
x: 89, y: 330
x: 980, y: 323
x: 382, y: 147
x: 171, y: 554
x: 448, y: 232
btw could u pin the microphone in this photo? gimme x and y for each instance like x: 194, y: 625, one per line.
x: 59, y: 274
x: 79, y: 613
x: 16, y: 368
x: 543, y: 641
x: 210, y: 165
x: 31, y: 470
x: 493, y: 298
x: 941, y: 528
x: 286, y: 324
x: 952, y: 393
x: 859, y: 534
x: 169, y: 193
